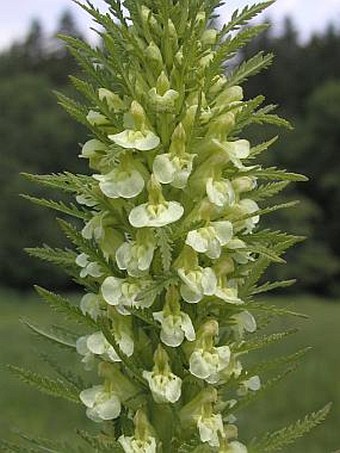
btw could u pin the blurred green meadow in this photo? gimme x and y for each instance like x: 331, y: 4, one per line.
x: 314, y: 384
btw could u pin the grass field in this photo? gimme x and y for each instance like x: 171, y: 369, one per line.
x: 314, y: 384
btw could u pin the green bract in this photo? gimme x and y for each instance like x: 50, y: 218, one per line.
x: 170, y: 248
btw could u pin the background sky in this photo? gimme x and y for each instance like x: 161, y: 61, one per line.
x: 16, y: 15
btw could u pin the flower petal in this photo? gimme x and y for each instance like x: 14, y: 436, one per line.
x: 163, y: 169
x: 224, y: 231
x: 110, y: 409
x: 136, y: 139
x: 112, y: 290
x: 141, y: 216
x: 188, y: 327
x: 97, y: 343
x: 209, y: 281
x: 89, y: 396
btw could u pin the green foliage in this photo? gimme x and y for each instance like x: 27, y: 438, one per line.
x: 53, y: 387
x: 250, y: 68
x: 65, y: 307
x: 276, y: 441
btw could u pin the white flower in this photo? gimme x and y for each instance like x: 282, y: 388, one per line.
x: 91, y: 148
x: 253, y: 384
x: 123, y: 333
x: 97, y: 119
x: 165, y: 387
x: 241, y: 255
x: 90, y: 304
x: 98, y: 345
x: 125, y: 343
x: 125, y: 182
x: 86, y: 200
x: 94, y: 229
x: 133, y: 445
x: 220, y: 192
x: 228, y: 294
x: 210, y: 427
x: 101, y: 404
x: 236, y: 151
x: 88, y: 358
x: 233, y: 447
x: 244, y: 184
x: 121, y: 294
x: 113, y: 101
x: 142, y: 140
x: 88, y: 268
x: 175, y: 328
x: 197, y: 283
x: 249, y: 206
x: 155, y: 215
x: 207, y: 364
x: 211, y: 239
x: 245, y: 321
x: 173, y: 169
x: 136, y: 257
x: 163, y: 102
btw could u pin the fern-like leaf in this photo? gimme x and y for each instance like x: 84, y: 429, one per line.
x: 60, y: 206
x: 165, y: 246
x: 268, y: 190
x: 53, y: 387
x: 250, y: 68
x: 270, y: 286
x: 267, y: 340
x: 276, y: 441
x: 50, y: 336
x: 100, y: 443
x: 241, y: 18
x: 65, y: 307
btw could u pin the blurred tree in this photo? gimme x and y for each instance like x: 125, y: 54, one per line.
x: 37, y: 137
x: 33, y: 47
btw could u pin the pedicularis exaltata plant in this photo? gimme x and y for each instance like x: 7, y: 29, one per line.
x: 168, y: 244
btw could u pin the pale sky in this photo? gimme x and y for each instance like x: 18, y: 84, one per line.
x: 16, y: 15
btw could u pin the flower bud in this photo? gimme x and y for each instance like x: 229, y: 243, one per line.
x: 113, y: 100
x: 154, y: 56
x: 244, y: 184
x: 209, y: 37
x: 230, y: 95
x: 221, y: 127
x: 163, y: 84
x: 97, y: 119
